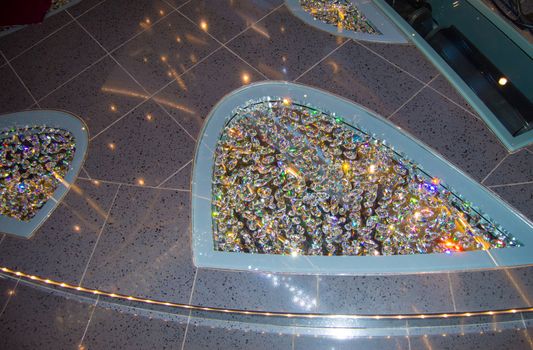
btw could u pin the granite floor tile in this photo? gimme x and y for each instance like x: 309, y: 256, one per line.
x: 100, y: 95
x: 84, y: 6
x: 509, y: 339
x: 343, y: 342
x: 255, y: 291
x: 407, y: 57
x: 145, y: 248
x: 56, y: 59
x: 442, y: 85
x: 453, y: 132
x: 493, y: 289
x: 384, y: 294
x: 181, y: 180
x: 189, y: 101
x: 219, y: 338
x: 14, y: 96
x: 60, y: 248
x: 112, y: 328
x: 114, y: 22
x: 162, y: 53
x: 279, y: 45
x: 519, y: 196
x: 15, y: 43
x: 355, y: 73
x: 7, y: 290
x: 517, y: 167
x: 143, y: 148
x: 227, y: 18
x: 39, y: 319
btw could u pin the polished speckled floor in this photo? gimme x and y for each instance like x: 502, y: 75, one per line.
x: 143, y: 74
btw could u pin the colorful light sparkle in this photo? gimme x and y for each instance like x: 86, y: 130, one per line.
x: 33, y: 161
x: 291, y: 180
x: 340, y: 13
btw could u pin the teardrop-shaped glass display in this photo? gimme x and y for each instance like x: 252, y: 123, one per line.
x: 289, y: 178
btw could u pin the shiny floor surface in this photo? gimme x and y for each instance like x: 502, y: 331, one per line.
x: 143, y: 75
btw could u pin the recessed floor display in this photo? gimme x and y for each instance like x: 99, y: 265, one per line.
x: 40, y: 155
x: 356, y: 19
x: 289, y: 178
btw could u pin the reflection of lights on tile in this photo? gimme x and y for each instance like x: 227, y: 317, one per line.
x: 286, y: 101
x: 245, y: 77
x: 161, y: 12
x: 193, y: 58
x: 284, y: 70
x: 203, y: 25
x: 145, y: 60
x: 282, y: 29
x: 147, y: 21
x: 140, y: 182
x: 163, y: 58
x: 178, y: 39
x: 96, y: 182
x: 77, y: 228
x: 502, y: 81
x: 11, y: 292
x: 149, y: 117
x: 111, y: 146
x: 455, y: 3
x: 113, y: 108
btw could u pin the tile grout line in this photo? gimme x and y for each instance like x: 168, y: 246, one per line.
x: 414, y: 77
x: 177, y: 171
x: 9, y: 298
x: 86, y: 173
x: 190, y: 311
x: 99, y: 235
x: 523, y: 321
x: 148, y: 94
x: 38, y: 42
x: 411, y: 98
x: 321, y: 60
x: 107, y: 52
x: 451, y: 292
x: 177, y: 7
x: 250, y: 26
x: 20, y: 79
x: 223, y: 44
x: 493, y: 169
x: 104, y: 56
x: 511, y: 184
x: 138, y: 82
x: 133, y: 185
x: 293, y: 340
x: 408, y: 334
x: 172, y: 81
x: 80, y: 346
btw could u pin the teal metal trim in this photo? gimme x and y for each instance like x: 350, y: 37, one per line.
x: 205, y: 255
x: 503, y: 26
x: 52, y: 119
x: 509, y: 141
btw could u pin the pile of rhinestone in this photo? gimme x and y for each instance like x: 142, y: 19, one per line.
x: 289, y: 179
x: 33, y: 161
x: 340, y: 13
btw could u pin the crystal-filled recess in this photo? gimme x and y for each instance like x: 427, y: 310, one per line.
x: 33, y: 162
x: 290, y: 179
x: 340, y: 13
